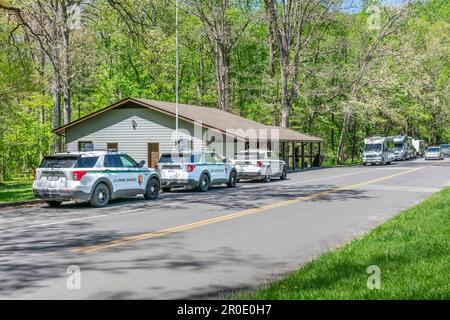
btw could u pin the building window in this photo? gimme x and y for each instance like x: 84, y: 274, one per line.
x: 110, y: 146
x: 85, y: 146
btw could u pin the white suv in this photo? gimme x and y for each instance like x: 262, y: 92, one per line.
x: 96, y: 177
x: 259, y: 164
x: 195, y: 169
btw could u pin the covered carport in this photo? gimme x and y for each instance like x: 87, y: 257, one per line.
x: 300, y: 151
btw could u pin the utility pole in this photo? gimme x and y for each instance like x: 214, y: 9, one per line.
x: 177, y: 62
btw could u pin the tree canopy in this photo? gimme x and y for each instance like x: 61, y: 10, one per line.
x: 316, y: 66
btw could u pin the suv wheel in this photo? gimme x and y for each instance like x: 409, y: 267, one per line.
x: 233, y: 180
x: 283, y: 174
x: 266, y: 178
x: 54, y: 203
x: 204, y: 183
x: 100, y: 196
x: 152, y: 191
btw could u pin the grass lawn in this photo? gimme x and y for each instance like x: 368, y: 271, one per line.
x: 16, y: 191
x: 412, y: 251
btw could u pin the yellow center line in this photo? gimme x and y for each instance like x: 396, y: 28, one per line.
x: 201, y: 223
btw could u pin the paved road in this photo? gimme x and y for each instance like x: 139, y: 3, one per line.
x: 194, y: 245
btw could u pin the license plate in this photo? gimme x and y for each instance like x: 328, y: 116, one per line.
x: 52, y: 178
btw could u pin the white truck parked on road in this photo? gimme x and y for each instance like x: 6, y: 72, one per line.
x: 377, y: 150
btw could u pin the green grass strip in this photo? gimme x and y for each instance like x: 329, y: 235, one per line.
x: 412, y: 251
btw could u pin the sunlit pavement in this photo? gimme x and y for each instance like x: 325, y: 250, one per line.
x: 201, y: 245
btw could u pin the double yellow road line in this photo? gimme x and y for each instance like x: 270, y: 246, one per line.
x: 227, y: 217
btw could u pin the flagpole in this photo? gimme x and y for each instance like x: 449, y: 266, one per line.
x: 177, y: 63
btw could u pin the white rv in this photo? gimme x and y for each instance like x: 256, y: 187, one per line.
x: 419, y: 146
x: 377, y: 150
x: 404, y: 149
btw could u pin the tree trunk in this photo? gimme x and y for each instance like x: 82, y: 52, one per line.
x: 56, y: 93
x: 201, y: 75
x: 333, y: 147
x: 67, y: 81
x: 285, y: 101
x: 341, y: 149
x: 271, y: 44
x: 222, y: 77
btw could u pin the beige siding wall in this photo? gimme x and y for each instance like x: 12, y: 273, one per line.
x: 116, y: 126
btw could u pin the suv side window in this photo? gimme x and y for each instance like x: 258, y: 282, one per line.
x: 127, y: 162
x: 112, y: 161
x: 86, y: 162
x: 209, y: 158
x: 218, y: 158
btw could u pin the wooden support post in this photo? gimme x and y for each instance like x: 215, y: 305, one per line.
x: 311, y: 154
x: 303, y: 155
x: 319, y: 155
x: 293, y: 156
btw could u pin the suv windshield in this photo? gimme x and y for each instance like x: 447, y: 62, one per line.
x: 68, y: 162
x: 433, y: 149
x: 372, y: 147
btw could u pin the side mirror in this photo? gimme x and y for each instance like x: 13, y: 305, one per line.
x: 225, y: 160
x: 141, y: 164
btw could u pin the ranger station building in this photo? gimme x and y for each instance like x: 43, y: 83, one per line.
x: 146, y: 128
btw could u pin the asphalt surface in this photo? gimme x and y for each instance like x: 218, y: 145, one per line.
x: 202, y: 245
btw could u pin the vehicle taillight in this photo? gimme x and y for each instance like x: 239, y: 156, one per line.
x: 190, y: 167
x: 259, y: 163
x: 78, y: 175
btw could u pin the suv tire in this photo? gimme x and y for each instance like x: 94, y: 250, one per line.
x: 100, y: 196
x: 204, y: 183
x: 232, y: 181
x: 54, y: 204
x: 283, y: 174
x: 152, y: 190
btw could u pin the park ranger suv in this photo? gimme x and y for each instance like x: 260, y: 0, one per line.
x: 94, y: 177
x: 259, y: 164
x: 199, y: 170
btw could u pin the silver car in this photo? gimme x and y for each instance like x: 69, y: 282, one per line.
x: 434, y: 153
x: 260, y: 164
